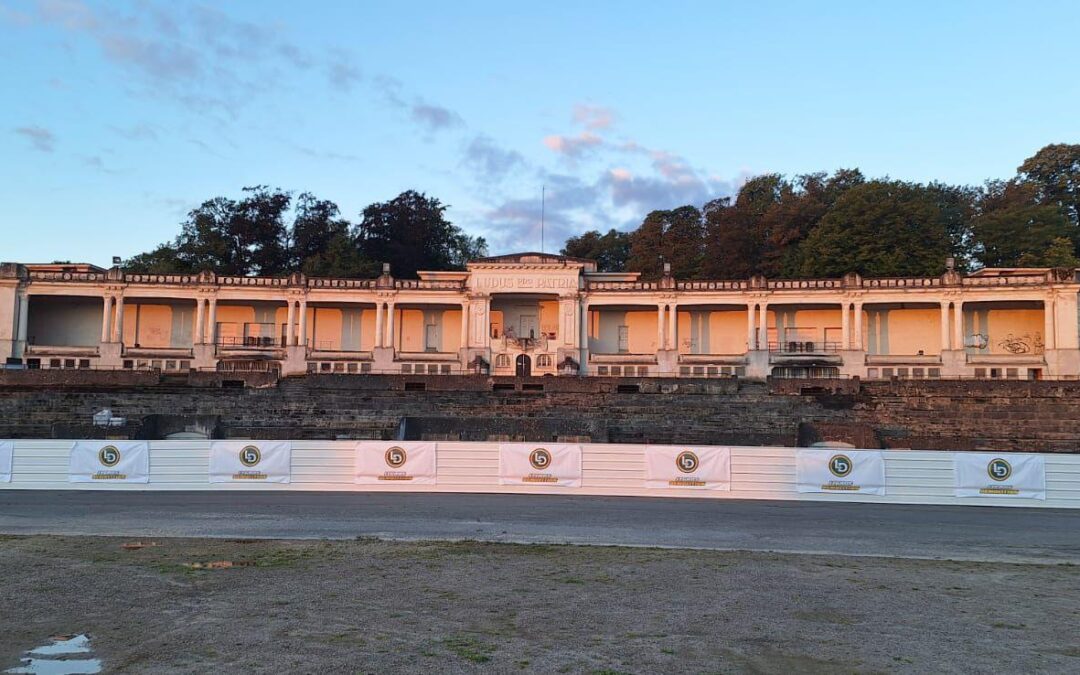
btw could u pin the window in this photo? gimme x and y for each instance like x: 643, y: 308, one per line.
x: 502, y: 361
x: 872, y: 373
x: 543, y: 361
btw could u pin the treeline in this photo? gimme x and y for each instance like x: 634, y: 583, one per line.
x: 821, y: 225
x: 269, y: 232
x: 814, y: 225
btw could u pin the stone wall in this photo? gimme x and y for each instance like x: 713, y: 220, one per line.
x: 964, y: 415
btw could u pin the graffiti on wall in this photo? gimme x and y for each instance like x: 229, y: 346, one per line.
x: 1028, y: 343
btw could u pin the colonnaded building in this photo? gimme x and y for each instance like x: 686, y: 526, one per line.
x: 540, y: 314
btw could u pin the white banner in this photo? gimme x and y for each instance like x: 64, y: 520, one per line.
x: 7, y: 450
x: 540, y: 464
x: 255, y: 461
x: 680, y: 466
x: 111, y: 461
x: 384, y: 462
x: 838, y: 470
x: 1005, y: 475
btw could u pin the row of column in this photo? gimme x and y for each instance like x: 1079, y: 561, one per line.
x: 384, y: 328
x: 112, y: 319
x: 205, y: 321
x: 112, y: 324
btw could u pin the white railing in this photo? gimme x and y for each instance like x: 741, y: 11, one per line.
x: 911, y: 476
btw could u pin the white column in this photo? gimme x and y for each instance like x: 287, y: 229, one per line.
x: 290, y: 324
x: 584, y: 334
x: 673, y: 326
x: 379, y: 324
x: 303, y: 324
x: 660, y: 327
x: 24, y: 317
x: 857, y: 341
x: 845, y: 325
x: 105, y: 316
x: 390, y: 341
x: 211, y: 323
x: 199, y: 328
x: 944, y: 326
x: 763, y: 330
x: 958, y: 325
x: 118, y: 323
x: 1049, y: 334
x: 464, y: 324
x: 751, y: 341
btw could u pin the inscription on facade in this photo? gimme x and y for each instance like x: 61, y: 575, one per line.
x: 525, y: 283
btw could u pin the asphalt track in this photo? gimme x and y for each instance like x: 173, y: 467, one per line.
x: 969, y: 533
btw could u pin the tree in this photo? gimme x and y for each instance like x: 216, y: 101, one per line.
x: 760, y: 233
x: 675, y: 237
x: 246, y: 236
x: 1055, y: 170
x: 1058, y: 254
x: 610, y: 251
x: 879, y: 228
x: 320, y: 242
x: 411, y: 233
x: 250, y: 236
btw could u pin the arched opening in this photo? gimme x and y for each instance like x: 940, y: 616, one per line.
x: 523, y: 366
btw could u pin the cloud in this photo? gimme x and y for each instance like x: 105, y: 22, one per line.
x: 594, y: 117
x: 572, y: 205
x: 341, y: 71
x: 574, y: 147
x: 489, y: 161
x: 434, y: 117
x: 197, y: 55
x: 136, y: 132
x: 41, y: 138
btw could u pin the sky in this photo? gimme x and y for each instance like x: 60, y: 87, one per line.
x: 120, y: 117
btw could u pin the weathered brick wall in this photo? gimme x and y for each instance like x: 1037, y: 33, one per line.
x: 1035, y: 416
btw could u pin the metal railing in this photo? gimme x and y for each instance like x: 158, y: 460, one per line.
x: 803, y: 347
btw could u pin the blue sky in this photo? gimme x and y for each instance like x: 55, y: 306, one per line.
x: 120, y: 117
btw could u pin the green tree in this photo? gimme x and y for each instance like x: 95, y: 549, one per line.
x: 675, y: 237
x: 411, y: 233
x: 760, y: 232
x: 610, y: 250
x: 1059, y: 253
x: 320, y: 242
x: 234, y: 237
x: 1055, y: 170
x: 879, y: 228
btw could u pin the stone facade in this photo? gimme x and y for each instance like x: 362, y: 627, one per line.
x: 534, y: 314
x: 955, y: 415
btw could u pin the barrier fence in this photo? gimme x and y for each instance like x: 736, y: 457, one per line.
x: 714, y: 472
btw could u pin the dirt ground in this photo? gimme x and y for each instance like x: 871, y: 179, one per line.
x: 372, y: 606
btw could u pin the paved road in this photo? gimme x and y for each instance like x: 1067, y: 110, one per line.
x: 953, y: 532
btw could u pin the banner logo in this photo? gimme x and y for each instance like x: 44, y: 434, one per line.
x: 395, y: 457
x: 687, y: 462
x: 109, y: 455
x: 250, y: 455
x: 540, y: 459
x: 999, y: 470
x: 840, y: 465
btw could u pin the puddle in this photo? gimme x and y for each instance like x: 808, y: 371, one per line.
x: 62, y: 655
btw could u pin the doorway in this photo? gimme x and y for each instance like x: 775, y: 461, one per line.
x: 529, y: 326
x: 523, y: 366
